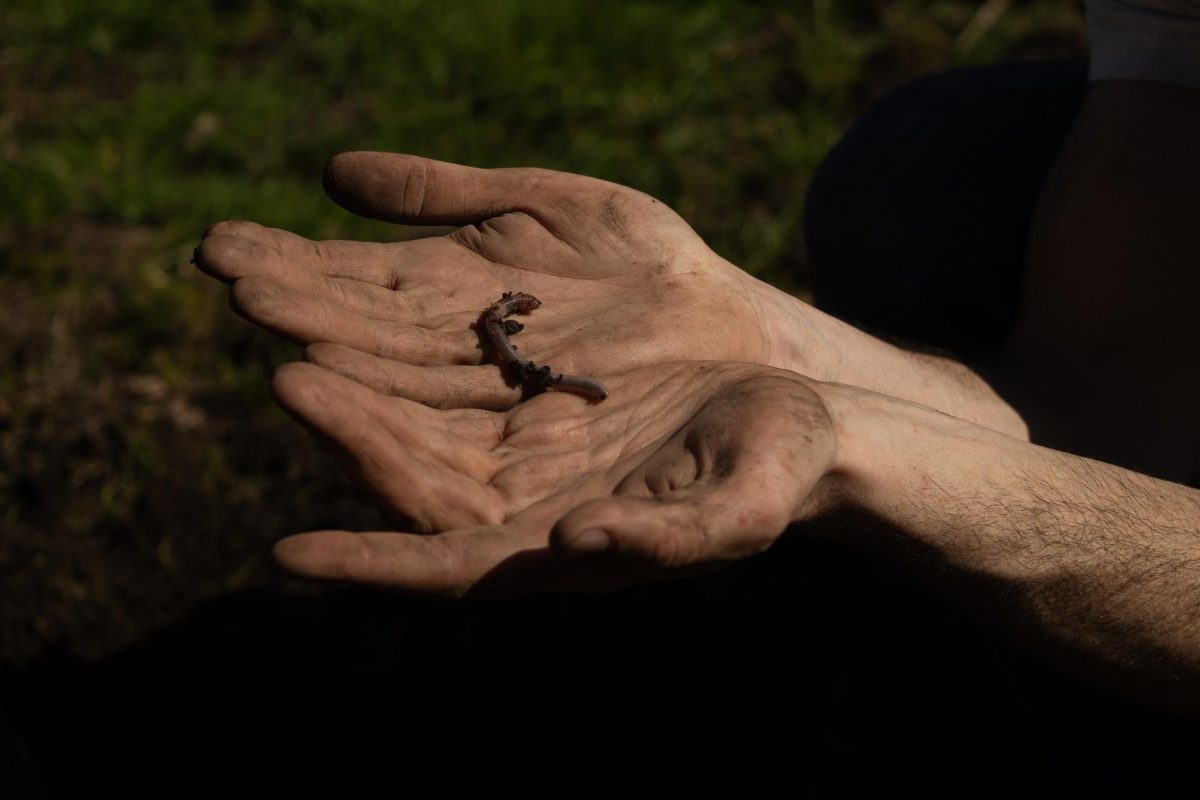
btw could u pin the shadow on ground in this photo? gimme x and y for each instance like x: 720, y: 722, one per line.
x: 809, y: 671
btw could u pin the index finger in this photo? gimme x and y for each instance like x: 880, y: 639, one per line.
x: 370, y: 262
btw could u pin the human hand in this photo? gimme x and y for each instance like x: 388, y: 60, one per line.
x: 625, y: 281
x: 686, y: 466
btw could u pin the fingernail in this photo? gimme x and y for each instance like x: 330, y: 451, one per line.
x: 593, y: 540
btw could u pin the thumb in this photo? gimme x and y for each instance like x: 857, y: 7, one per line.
x: 415, y: 190
x: 716, y: 523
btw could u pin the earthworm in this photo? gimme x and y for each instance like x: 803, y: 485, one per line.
x: 499, y: 329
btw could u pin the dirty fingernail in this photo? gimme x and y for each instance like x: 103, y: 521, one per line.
x: 593, y: 540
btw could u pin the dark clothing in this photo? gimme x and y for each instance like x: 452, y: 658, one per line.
x: 916, y: 221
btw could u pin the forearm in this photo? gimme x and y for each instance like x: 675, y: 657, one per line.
x: 1095, y: 566
x: 804, y: 339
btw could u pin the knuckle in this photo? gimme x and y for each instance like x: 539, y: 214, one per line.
x: 414, y: 190
x: 393, y: 379
x: 445, y: 394
x: 388, y: 347
x: 413, y: 345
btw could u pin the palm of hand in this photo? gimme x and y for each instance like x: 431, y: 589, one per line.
x: 671, y: 479
x: 625, y: 281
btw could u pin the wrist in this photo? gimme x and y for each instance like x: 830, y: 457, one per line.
x: 842, y: 483
x: 888, y: 448
x: 804, y: 339
x: 799, y: 338
x: 790, y: 329
x: 909, y: 475
x: 848, y: 484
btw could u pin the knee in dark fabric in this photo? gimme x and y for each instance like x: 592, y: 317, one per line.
x: 916, y: 221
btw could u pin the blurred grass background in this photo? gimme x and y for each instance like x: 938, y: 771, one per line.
x: 143, y: 469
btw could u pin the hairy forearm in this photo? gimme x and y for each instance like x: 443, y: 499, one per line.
x: 1095, y: 566
x: 804, y: 339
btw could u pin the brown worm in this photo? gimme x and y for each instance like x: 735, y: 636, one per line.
x: 499, y: 328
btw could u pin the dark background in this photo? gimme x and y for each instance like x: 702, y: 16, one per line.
x: 146, y: 643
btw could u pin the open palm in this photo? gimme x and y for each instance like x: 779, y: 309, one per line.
x: 624, y: 281
x: 684, y: 467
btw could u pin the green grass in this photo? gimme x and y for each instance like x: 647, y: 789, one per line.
x: 142, y: 467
